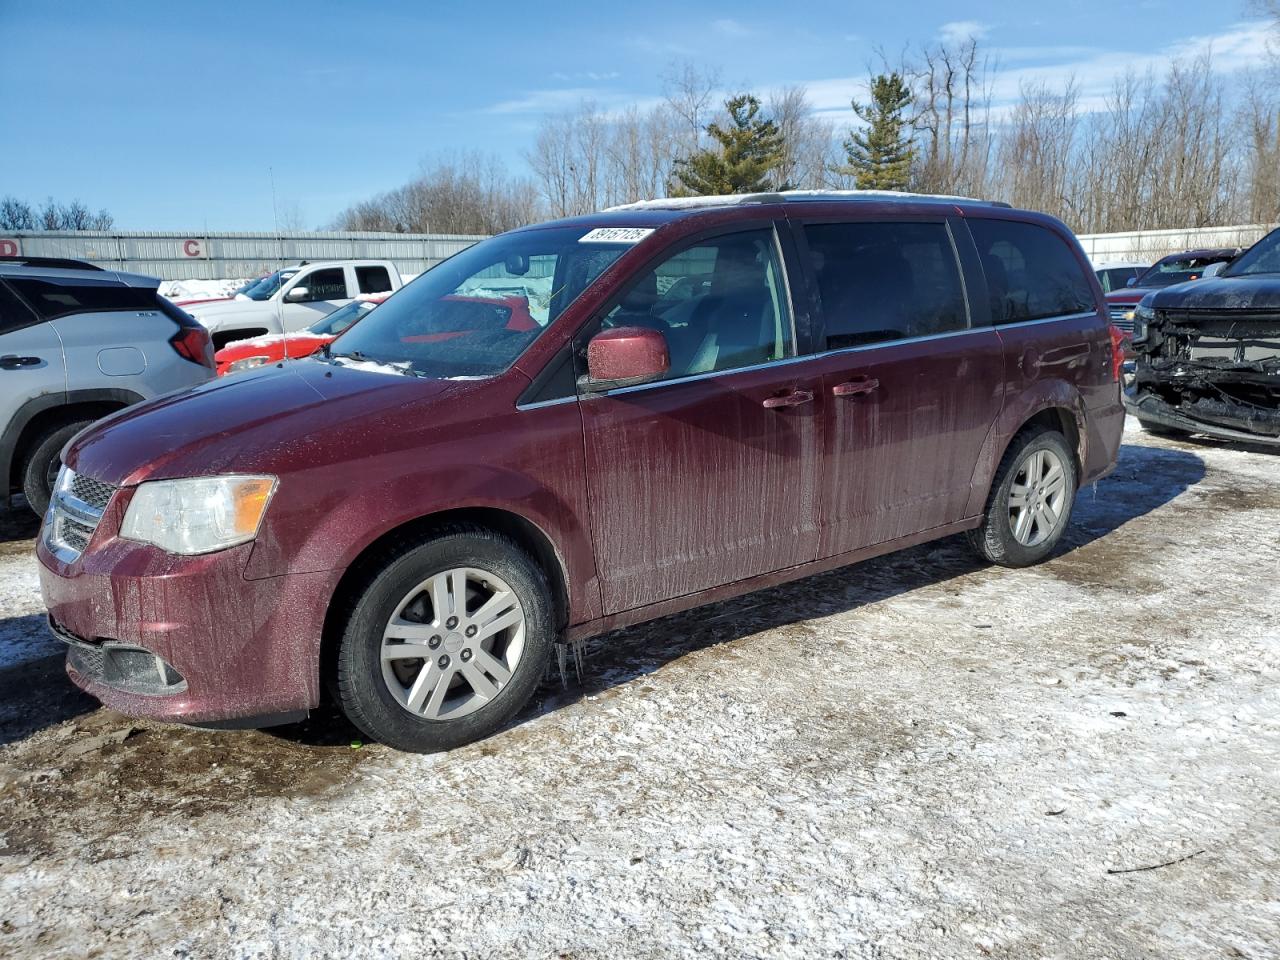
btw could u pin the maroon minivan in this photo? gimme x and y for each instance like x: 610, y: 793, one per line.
x: 717, y: 396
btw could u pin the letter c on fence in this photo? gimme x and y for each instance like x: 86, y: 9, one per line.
x: 8, y: 248
x: 192, y: 248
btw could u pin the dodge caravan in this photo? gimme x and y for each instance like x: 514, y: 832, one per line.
x: 714, y: 396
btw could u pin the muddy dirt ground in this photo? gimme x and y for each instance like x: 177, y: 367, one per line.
x: 918, y: 757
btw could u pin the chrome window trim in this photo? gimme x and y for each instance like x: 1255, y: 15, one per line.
x: 861, y: 348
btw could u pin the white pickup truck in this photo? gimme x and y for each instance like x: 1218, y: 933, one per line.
x: 293, y: 298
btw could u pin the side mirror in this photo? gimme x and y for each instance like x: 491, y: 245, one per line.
x: 297, y: 295
x: 625, y: 356
x: 1132, y: 281
x: 1213, y: 269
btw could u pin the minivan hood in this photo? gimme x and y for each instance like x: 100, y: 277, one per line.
x: 252, y: 422
x: 1259, y: 293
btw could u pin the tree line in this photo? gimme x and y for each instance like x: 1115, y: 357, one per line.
x: 1185, y: 147
x: 17, y: 214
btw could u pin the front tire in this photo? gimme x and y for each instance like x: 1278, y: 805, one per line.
x: 1029, y: 508
x: 41, y: 465
x: 446, y: 641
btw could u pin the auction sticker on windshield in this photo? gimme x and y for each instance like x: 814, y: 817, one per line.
x: 616, y: 235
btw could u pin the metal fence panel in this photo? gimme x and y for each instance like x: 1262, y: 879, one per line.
x: 228, y: 255
x: 1147, y: 246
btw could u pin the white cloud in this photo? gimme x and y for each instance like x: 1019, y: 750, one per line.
x: 730, y: 28
x: 1237, y: 47
x: 957, y: 31
x: 563, y: 98
x: 591, y: 75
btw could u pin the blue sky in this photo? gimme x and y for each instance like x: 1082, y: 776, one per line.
x: 171, y: 114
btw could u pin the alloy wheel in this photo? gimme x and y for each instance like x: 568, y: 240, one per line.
x: 453, y: 643
x: 1038, y: 498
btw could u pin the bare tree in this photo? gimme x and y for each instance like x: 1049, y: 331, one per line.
x: 16, y: 214
x: 951, y: 84
x: 807, y: 141
x: 692, y: 94
x: 468, y: 194
x: 1037, y: 149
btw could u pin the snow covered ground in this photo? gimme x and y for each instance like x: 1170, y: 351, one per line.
x: 917, y: 757
x: 197, y: 289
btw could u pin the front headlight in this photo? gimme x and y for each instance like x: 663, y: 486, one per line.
x: 1142, y: 315
x: 198, y: 515
x: 248, y: 363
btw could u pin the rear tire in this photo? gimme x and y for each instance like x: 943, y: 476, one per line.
x: 446, y: 641
x: 41, y: 464
x: 1029, y: 507
x: 1160, y: 430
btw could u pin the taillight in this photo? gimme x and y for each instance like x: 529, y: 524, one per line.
x: 1118, y: 337
x: 192, y: 341
x: 194, y: 344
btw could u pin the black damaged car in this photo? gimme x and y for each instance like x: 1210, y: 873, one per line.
x: 1208, y: 352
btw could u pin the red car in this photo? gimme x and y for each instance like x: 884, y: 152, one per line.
x: 247, y: 354
x: 713, y: 397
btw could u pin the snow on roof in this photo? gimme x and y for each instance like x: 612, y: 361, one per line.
x: 733, y: 199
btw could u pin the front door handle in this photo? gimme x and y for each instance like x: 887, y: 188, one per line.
x: 792, y: 399
x: 855, y: 388
x: 11, y: 361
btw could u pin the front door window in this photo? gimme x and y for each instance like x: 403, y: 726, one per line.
x: 721, y: 305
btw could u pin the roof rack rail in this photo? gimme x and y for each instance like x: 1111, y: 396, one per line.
x: 51, y: 263
x: 793, y: 196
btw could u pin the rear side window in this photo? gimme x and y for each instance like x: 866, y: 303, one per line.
x: 327, y: 284
x: 14, y: 314
x: 1117, y: 278
x: 373, y: 279
x: 53, y: 298
x: 1032, y: 273
x: 885, y: 281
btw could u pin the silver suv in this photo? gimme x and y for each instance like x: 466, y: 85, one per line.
x: 77, y: 343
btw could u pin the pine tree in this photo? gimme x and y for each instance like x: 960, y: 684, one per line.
x: 744, y: 151
x: 880, y: 154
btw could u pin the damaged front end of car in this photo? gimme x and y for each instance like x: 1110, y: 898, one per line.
x: 1206, y: 371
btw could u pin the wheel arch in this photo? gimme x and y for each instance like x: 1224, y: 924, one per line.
x: 40, y: 413
x: 526, y: 534
x: 1053, y: 404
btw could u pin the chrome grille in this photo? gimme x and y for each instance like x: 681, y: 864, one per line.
x: 93, y: 492
x: 1118, y: 317
x: 75, y: 509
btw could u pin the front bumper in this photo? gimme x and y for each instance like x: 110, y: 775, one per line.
x: 1154, y: 410
x: 221, y: 648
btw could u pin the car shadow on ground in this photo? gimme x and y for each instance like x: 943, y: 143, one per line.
x: 1145, y: 479
x: 34, y: 690
x: 17, y: 522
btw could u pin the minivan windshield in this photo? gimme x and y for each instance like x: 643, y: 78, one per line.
x: 1262, y: 257
x: 264, y: 288
x: 475, y: 313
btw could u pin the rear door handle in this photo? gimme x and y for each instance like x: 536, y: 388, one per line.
x: 12, y: 362
x: 855, y: 388
x: 792, y: 399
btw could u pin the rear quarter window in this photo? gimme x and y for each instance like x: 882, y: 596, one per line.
x: 1032, y: 273
x: 373, y: 280
x: 53, y: 298
x: 14, y: 314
